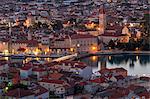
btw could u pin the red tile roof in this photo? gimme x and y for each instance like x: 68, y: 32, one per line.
x: 32, y: 43
x: 110, y: 34
x: 38, y: 70
x: 82, y: 83
x: 144, y: 94
x: 98, y: 80
x: 21, y: 49
x: 53, y: 81
x: 145, y: 78
x: 55, y: 75
x: 80, y: 36
x: 134, y: 87
x: 106, y: 70
x: 21, y: 41
x: 119, y: 77
x: 38, y: 90
x: 18, y: 93
x: 26, y: 68
x: 119, y: 69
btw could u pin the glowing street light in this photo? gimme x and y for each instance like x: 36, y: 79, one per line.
x: 78, y: 45
x: 71, y: 49
x: 94, y: 58
x: 93, y: 48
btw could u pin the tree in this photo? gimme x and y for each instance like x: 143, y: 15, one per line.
x: 78, y: 89
x: 146, y: 24
x: 44, y: 25
x: 57, y: 25
x: 131, y: 45
x: 111, y: 44
x: 145, y: 44
x: 72, y: 20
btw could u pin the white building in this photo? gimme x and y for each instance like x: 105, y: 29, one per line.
x: 77, y: 43
x: 53, y: 85
x: 25, y: 71
x: 85, y: 43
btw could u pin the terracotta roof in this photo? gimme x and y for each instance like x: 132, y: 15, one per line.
x: 98, y: 80
x: 19, y: 93
x: 38, y: 70
x: 38, y: 90
x: 82, y: 83
x: 80, y: 36
x: 147, y: 12
x: 52, y: 81
x: 79, y: 66
x: 28, y: 64
x: 26, y: 67
x: 135, y: 87
x: 72, y: 63
x: 21, y: 41
x: 110, y: 34
x: 145, y: 78
x: 119, y: 77
x: 50, y: 63
x: 115, y: 92
x: 119, y: 69
x: 115, y: 27
x: 106, y: 70
x: 32, y: 43
x: 21, y: 49
x: 144, y: 94
x: 55, y: 75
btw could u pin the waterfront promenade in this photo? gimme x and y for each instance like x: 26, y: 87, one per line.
x: 82, y: 55
x: 114, y: 52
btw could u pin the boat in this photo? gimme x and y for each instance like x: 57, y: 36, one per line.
x: 56, y: 55
x: 18, y: 56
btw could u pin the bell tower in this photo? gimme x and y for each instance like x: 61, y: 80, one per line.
x: 102, y: 20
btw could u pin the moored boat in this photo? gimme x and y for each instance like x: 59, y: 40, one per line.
x: 18, y: 56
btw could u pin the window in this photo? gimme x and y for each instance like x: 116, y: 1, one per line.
x: 143, y: 97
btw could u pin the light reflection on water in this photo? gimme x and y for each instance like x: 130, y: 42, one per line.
x: 27, y: 59
x: 135, y: 64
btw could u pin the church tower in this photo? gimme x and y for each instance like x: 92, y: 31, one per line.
x: 102, y: 20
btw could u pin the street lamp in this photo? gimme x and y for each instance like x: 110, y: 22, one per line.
x: 77, y: 48
x: 94, y: 49
x: 71, y: 49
